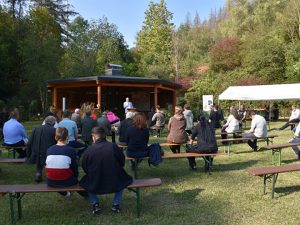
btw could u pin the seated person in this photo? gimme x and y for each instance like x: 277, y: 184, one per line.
x: 258, y: 129
x: 103, y: 164
x: 104, y: 123
x: 159, y: 119
x: 15, y: 134
x: 189, y: 118
x: 61, y: 163
x: 137, y: 137
x: 113, y: 119
x: 294, y: 118
x: 87, y: 124
x: 231, y: 125
x: 206, y: 141
x: 123, y: 127
x: 77, y: 119
x: 242, y: 113
x: 296, y: 139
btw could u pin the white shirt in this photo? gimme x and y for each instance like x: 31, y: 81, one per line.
x: 127, y: 105
x: 259, y: 125
x: 297, y: 131
x: 232, y: 124
x: 295, y: 114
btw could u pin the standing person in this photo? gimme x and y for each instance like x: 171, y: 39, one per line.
x: 258, y: 129
x: 127, y: 104
x: 216, y: 116
x: 242, y: 115
x: 294, y: 118
x: 137, y: 137
x: 189, y: 118
x: 176, y: 127
x: 124, y: 126
x: 103, y: 164
x: 87, y: 124
x: 296, y: 139
x: 72, y: 132
x: 232, y: 123
x: 15, y: 134
x: 61, y: 163
x: 206, y: 141
x: 104, y: 123
x: 42, y: 138
x: 77, y: 119
x: 159, y: 119
x: 151, y: 113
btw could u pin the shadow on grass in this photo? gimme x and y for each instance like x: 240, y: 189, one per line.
x: 287, y: 190
x: 233, y: 166
x: 289, y: 161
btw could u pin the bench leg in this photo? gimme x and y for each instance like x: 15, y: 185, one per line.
x: 268, y: 177
x: 137, y: 192
x: 12, y: 209
x: 276, y: 152
x: 274, y: 179
x: 12, y: 198
x: 208, y: 163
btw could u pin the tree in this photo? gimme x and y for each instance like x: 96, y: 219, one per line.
x: 154, y: 41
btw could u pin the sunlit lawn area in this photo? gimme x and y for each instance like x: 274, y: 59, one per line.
x: 228, y: 196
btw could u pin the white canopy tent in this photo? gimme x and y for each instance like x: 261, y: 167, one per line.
x: 262, y: 92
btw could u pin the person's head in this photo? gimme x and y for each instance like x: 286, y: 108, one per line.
x: 77, y: 111
x: 127, y: 99
x: 98, y: 133
x: 104, y: 113
x: 216, y: 107
x: 66, y: 114
x: 178, y: 110
x: 129, y: 115
x: 234, y: 112
x: 206, y: 130
x: 139, y: 120
x: 187, y: 107
x: 50, y: 120
x: 242, y: 107
x: 88, y: 113
x: 157, y: 108
x: 252, y: 113
x: 14, y: 114
x: 61, y: 134
x: 294, y: 107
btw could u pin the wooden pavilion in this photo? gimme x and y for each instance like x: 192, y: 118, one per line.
x: 109, y: 92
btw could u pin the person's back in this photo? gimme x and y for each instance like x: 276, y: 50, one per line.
x: 159, y: 119
x: 189, y: 118
x: 87, y: 124
x: 13, y: 131
x: 70, y: 126
x: 125, y: 124
x: 76, y: 118
x: 259, y: 125
x: 176, y: 127
x: 104, y: 123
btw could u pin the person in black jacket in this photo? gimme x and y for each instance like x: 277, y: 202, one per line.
x: 87, y: 124
x: 40, y: 140
x: 206, y: 141
x: 103, y: 164
x: 123, y: 127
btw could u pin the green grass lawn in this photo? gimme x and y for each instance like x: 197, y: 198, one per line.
x: 228, y: 196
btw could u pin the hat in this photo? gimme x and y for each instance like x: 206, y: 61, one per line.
x: 77, y: 110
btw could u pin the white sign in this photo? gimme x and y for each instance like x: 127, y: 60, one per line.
x: 208, y: 100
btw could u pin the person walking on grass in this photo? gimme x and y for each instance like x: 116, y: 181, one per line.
x: 258, y: 129
x: 103, y: 164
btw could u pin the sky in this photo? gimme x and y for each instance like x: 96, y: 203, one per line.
x: 128, y: 15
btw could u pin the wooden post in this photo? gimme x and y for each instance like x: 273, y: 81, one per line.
x: 155, y: 96
x: 174, y: 101
x: 54, y: 98
x: 99, y: 96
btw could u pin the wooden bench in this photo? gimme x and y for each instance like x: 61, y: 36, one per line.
x: 166, y: 144
x: 12, y: 150
x: 178, y: 156
x: 17, y: 192
x: 270, y: 173
x: 276, y: 150
x: 10, y: 160
x: 231, y: 141
x: 234, y: 132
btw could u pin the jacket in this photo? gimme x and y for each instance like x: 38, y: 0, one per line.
x: 176, y: 127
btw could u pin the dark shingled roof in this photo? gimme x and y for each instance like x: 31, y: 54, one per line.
x: 116, y: 79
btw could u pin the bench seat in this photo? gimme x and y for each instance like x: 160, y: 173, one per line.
x: 270, y: 173
x: 16, y: 192
x: 10, y: 160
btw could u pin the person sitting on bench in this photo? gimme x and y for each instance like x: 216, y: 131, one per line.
x: 294, y: 118
x: 296, y: 139
x: 176, y: 127
x: 258, y: 129
x: 61, y: 163
x: 159, y: 119
x: 232, y: 124
x: 124, y: 126
x: 103, y: 164
x: 206, y: 141
x: 15, y: 134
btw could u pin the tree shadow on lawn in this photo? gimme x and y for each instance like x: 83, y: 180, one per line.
x: 233, y: 166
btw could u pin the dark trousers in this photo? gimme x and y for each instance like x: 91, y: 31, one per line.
x: 175, y: 148
x: 251, y: 143
x: 192, y: 160
x: 287, y: 124
x: 78, y: 145
x: 21, y: 152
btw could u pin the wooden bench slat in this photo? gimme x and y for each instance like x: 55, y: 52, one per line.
x: 284, y: 145
x: 11, y: 160
x: 182, y: 155
x: 260, y: 171
x: 246, y: 139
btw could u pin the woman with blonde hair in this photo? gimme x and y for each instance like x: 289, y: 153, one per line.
x: 176, y: 127
x: 232, y: 124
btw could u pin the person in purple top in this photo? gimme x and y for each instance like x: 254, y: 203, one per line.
x: 15, y: 134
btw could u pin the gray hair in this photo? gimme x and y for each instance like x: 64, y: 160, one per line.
x: 130, y: 115
x: 50, y: 120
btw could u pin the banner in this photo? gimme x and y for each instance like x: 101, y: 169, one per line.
x: 208, y: 100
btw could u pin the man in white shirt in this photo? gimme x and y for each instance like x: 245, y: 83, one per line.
x: 127, y: 105
x: 294, y: 118
x: 258, y: 129
x: 296, y: 139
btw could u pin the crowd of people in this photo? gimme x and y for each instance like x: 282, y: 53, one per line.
x: 56, y: 147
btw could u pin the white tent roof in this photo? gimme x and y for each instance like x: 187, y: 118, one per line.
x: 262, y: 92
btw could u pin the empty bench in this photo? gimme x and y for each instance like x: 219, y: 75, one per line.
x: 17, y: 192
x: 178, y: 156
x: 270, y: 173
x: 276, y: 150
x: 230, y: 141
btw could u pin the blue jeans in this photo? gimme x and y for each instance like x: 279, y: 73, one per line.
x: 252, y: 144
x: 295, y: 148
x: 117, y: 199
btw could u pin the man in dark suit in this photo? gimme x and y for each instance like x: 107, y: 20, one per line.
x: 103, y: 164
x: 40, y: 140
x: 87, y: 124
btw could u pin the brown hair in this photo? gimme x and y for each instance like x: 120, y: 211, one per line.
x: 61, y: 134
x: 178, y: 110
x: 187, y: 106
x: 139, y: 120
